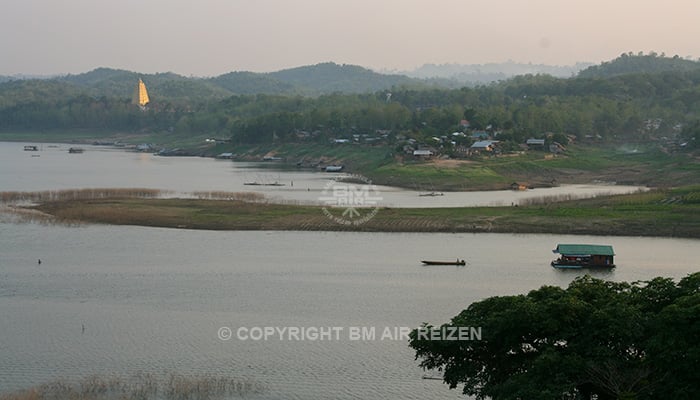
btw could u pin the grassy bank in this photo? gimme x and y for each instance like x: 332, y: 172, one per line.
x: 644, y: 166
x: 670, y: 213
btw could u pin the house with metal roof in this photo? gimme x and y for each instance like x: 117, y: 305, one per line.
x: 535, y: 143
x: 484, y: 145
x: 423, y: 153
x: 576, y: 256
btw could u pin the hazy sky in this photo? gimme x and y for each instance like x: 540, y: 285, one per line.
x: 211, y: 37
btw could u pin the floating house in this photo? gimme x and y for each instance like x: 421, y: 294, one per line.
x: 577, y: 256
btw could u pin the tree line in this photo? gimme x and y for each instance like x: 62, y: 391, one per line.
x: 631, y: 107
x: 595, y: 339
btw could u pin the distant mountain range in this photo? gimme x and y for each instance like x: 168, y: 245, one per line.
x: 321, y: 79
x: 486, y: 73
x: 305, y: 81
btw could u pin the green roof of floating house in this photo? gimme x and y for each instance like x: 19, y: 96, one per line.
x: 584, y: 250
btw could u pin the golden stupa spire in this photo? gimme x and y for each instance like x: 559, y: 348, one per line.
x: 140, y: 97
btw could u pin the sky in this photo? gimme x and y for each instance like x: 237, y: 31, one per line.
x: 212, y: 37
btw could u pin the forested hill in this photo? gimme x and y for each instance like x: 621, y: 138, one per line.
x: 331, y: 77
x: 312, y: 80
x: 640, y: 105
x: 629, y: 63
x: 107, y: 82
x: 306, y: 81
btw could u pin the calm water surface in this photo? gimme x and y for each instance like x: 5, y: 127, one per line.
x: 99, y: 167
x: 152, y: 300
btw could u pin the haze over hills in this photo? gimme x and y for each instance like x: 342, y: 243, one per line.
x: 325, y: 77
x: 629, y: 63
x: 305, y: 80
x: 331, y: 77
x: 310, y: 80
x: 319, y: 79
x: 491, y: 72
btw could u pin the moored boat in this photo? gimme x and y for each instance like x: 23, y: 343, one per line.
x: 76, y: 150
x: 458, y: 262
x: 577, y: 256
x: 31, y: 148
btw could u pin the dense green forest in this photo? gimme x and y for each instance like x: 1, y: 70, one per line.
x: 595, y: 339
x: 632, y: 98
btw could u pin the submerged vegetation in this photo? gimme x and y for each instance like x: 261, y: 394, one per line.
x: 141, y: 387
x: 78, y: 194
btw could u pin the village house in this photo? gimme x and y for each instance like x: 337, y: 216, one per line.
x: 535, y: 144
x: 424, y: 153
x: 483, y: 145
x: 556, y: 148
x: 480, y: 135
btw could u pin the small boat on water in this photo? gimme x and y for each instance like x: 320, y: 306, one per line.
x: 457, y: 262
x: 76, y: 150
x: 263, y: 184
x: 31, y: 148
x: 578, y: 256
x: 431, y: 194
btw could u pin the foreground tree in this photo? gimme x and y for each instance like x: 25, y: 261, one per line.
x: 595, y: 339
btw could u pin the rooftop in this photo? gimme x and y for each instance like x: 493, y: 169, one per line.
x: 584, y: 249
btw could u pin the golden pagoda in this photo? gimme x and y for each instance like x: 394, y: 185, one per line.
x: 140, y: 97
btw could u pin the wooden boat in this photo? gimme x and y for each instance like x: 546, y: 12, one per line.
x: 578, y: 256
x: 458, y: 262
x: 263, y: 184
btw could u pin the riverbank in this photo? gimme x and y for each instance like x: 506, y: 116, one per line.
x: 661, y: 213
x: 638, y: 165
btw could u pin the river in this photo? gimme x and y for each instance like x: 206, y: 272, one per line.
x: 123, y: 299
x: 54, y: 168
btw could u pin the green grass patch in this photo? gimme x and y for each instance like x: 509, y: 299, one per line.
x: 673, y: 212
